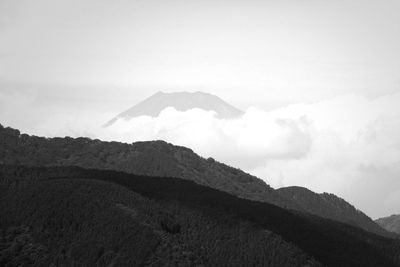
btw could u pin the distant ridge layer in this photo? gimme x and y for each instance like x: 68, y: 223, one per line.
x: 391, y: 223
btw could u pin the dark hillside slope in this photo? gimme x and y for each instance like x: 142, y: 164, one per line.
x: 74, y: 224
x: 330, y: 206
x: 157, y: 158
x: 89, y: 222
x: 329, y: 242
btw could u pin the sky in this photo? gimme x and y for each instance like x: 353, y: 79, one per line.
x: 319, y: 82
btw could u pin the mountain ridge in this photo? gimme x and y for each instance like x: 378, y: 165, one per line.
x: 220, y: 228
x: 154, y: 158
x: 390, y: 223
x: 330, y: 206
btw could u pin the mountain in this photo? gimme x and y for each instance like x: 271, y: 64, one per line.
x: 113, y: 219
x: 81, y: 217
x: 391, y: 223
x: 181, y: 101
x: 330, y: 206
x: 154, y: 158
x: 158, y: 158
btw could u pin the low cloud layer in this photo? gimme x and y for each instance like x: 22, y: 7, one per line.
x: 355, y: 152
x: 347, y: 145
x: 247, y: 142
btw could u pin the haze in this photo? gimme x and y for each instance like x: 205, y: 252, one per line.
x: 318, y: 80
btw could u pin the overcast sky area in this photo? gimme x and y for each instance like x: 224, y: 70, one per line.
x: 319, y: 82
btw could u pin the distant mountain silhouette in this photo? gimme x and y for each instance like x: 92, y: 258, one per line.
x: 391, y: 223
x: 181, y: 101
x: 158, y: 158
x: 330, y: 206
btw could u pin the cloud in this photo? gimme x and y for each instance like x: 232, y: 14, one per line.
x: 246, y: 142
x: 347, y: 145
x: 355, y: 151
x: 324, y: 146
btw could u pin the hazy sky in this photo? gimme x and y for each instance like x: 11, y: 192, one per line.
x: 319, y: 80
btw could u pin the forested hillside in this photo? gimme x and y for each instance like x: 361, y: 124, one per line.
x: 72, y: 201
x: 331, y: 207
x: 92, y: 222
x: 159, y: 158
x: 156, y: 158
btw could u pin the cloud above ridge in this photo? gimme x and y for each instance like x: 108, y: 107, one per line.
x: 346, y: 145
x: 247, y: 142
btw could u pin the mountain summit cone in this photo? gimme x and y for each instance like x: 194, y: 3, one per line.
x: 181, y: 101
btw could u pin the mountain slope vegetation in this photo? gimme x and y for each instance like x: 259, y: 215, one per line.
x: 158, y: 158
x: 64, y: 207
x: 95, y: 222
x: 332, y: 207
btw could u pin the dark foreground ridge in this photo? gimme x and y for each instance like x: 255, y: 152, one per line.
x: 128, y: 219
x: 158, y: 158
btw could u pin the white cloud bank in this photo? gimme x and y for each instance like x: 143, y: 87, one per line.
x: 247, y: 142
x: 347, y: 145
